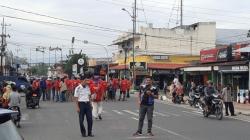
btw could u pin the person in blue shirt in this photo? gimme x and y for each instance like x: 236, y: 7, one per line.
x: 146, y: 97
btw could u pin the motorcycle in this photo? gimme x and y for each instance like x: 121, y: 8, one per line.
x: 216, y: 107
x: 32, y: 100
x: 194, y: 100
x: 178, y: 99
x: 16, y: 117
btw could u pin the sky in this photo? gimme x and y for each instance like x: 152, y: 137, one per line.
x: 25, y: 35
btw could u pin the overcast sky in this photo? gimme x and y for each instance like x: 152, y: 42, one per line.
x: 27, y: 35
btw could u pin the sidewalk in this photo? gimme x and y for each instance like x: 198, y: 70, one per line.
x: 243, y: 109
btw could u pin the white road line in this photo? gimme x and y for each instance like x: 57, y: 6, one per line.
x: 118, y: 112
x: 130, y: 112
x: 135, y: 118
x: 197, y: 112
x: 172, y: 114
x: 166, y: 130
x: 140, y: 137
x: 191, y: 113
x: 161, y: 114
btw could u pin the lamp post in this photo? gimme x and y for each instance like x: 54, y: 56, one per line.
x: 133, y: 43
x: 106, y: 50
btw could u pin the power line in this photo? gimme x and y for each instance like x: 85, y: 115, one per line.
x: 66, y: 20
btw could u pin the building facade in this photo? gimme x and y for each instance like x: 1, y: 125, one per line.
x: 162, y: 50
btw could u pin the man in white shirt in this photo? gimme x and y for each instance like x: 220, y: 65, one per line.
x: 83, y: 106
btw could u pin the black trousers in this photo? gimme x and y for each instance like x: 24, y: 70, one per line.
x: 230, y: 106
x: 85, y: 109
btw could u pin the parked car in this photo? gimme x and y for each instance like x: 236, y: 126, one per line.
x: 8, y: 130
x: 21, y: 82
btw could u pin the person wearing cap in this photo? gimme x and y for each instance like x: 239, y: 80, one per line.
x: 228, y: 99
x: 97, y: 94
x: 83, y: 106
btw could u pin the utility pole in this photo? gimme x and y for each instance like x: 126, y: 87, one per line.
x: 191, y: 45
x: 181, y: 13
x: 133, y: 47
x: 3, y: 44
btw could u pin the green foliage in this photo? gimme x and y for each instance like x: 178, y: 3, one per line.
x: 73, y: 59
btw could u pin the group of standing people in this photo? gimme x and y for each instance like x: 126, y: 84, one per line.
x: 58, y: 89
x: 124, y: 84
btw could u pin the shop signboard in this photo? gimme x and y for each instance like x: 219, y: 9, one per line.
x: 224, y: 54
x: 207, y: 56
x: 233, y: 68
x: 138, y: 65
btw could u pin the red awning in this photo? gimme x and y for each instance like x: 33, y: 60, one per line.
x: 118, y: 67
x: 165, y: 66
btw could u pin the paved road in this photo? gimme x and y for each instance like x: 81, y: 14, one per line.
x: 59, y: 121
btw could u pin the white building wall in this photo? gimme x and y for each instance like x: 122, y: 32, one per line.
x: 178, y: 41
x: 187, y: 41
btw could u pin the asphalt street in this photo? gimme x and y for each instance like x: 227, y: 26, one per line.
x: 59, y: 121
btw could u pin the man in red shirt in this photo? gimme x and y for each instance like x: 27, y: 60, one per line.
x: 123, y: 89
x: 115, y: 85
x: 57, y: 88
x: 97, y: 93
x: 128, y: 87
x: 105, y: 86
x: 48, y: 88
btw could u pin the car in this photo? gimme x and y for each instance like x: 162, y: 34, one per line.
x: 8, y: 130
x: 20, y: 81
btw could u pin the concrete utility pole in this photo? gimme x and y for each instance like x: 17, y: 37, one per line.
x: 181, y: 13
x: 133, y: 47
x: 56, y: 49
x: 42, y: 50
x: 3, y: 43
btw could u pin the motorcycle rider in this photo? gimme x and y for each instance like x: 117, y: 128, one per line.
x: 15, y: 101
x: 209, y: 91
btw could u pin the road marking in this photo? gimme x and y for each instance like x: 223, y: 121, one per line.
x: 130, y: 112
x: 165, y: 130
x: 173, y: 114
x: 118, y: 112
x: 161, y: 114
x: 140, y: 137
x: 135, y: 118
x: 191, y: 113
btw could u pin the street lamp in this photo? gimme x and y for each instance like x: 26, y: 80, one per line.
x: 133, y: 44
x: 106, y: 50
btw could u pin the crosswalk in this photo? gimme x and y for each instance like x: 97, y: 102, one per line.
x: 162, y: 114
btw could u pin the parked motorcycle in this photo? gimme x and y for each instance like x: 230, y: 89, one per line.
x: 16, y: 117
x: 215, y: 109
x: 32, y: 100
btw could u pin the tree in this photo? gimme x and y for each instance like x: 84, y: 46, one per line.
x: 73, y: 59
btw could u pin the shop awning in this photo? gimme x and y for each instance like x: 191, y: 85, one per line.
x: 245, y: 49
x: 165, y: 66
x: 209, y: 68
x: 118, y: 67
